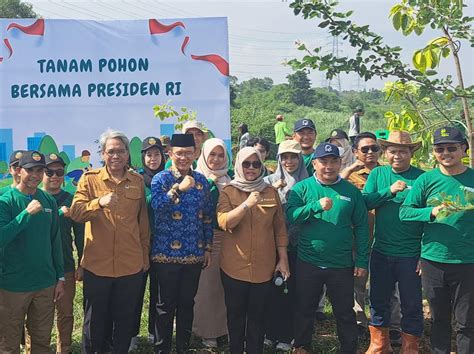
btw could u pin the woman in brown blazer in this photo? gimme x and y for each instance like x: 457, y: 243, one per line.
x: 250, y: 213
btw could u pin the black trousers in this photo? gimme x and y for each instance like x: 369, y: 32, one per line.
x: 245, y: 304
x: 177, y: 287
x: 109, y: 305
x: 340, y: 290
x: 449, y: 289
x: 280, y: 308
x: 153, y: 296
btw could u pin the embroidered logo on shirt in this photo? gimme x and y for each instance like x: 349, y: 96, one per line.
x: 342, y: 197
x: 47, y: 210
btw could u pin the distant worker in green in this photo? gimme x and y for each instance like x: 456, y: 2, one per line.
x: 282, y: 132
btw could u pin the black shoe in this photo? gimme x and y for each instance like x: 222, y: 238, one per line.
x: 321, y: 317
x: 395, y: 338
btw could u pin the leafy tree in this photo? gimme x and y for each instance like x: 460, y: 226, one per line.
x: 16, y: 9
x: 417, y: 86
x: 233, y: 89
x: 300, y: 86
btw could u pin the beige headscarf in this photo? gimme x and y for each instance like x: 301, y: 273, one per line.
x: 239, y: 180
x: 220, y: 176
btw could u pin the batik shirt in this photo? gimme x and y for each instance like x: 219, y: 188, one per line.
x: 182, y: 229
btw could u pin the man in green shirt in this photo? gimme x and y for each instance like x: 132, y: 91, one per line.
x: 332, y: 215
x: 304, y: 132
x: 52, y: 181
x: 14, y: 170
x: 31, y: 265
x: 442, y: 199
x: 282, y: 132
x: 396, y: 249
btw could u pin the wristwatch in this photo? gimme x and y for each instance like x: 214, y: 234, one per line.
x: 62, y: 279
x: 245, y: 206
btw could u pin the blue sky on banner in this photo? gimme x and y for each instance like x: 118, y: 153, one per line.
x: 262, y: 32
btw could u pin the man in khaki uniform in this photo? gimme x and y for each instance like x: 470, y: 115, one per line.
x: 111, y: 203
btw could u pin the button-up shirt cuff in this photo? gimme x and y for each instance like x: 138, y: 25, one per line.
x: 94, y: 205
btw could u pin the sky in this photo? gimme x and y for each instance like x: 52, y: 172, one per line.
x: 262, y: 33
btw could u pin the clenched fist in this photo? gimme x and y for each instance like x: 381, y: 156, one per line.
x: 279, y: 184
x: 65, y: 211
x: 109, y: 200
x: 398, y: 186
x: 34, y: 207
x: 326, y: 203
x: 253, y: 199
x: 186, y: 184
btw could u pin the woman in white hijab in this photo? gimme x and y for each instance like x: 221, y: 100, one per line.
x: 250, y: 213
x: 279, y: 313
x: 210, y: 320
x: 339, y: 138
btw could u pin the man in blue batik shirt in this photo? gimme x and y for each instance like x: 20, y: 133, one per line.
x: 182, y: 241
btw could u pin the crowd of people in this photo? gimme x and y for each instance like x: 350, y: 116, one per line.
x: 241, y: 252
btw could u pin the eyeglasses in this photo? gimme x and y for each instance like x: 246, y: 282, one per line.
x: 372, y: 148
x: 112, y: 153
x: 187, y: 155
x: 51, y: 173
x: 440, y: 150
x: 255, y: 164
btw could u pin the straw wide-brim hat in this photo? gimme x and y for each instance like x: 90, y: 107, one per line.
x: 399, y: 138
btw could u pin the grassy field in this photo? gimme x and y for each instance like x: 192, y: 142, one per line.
x: 324, y: 340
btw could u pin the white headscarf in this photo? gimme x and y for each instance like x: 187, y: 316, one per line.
x: 239, y: 181
x: 219, y: 176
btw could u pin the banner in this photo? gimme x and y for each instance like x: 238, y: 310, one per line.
x: 63, y: 82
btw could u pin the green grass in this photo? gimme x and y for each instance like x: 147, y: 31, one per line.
x: 324, y: 340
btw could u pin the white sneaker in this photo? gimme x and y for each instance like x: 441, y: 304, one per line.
x: 283, y: 346
x: 151, y: 338
x: 133, y: 344
x: 209, y: 342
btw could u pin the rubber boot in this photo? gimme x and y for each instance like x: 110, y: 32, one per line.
x: 379, y: 341
x: 410, y: 344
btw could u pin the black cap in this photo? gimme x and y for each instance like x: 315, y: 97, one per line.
x: 53, y: 158
x: 337, y: 134
x: 304, y: 123
x: 31, y: 159
x: 447, y: 135
x: 182, y: 140
x: 150, y: 142
x: 326, y: 149
x: 15, y: 157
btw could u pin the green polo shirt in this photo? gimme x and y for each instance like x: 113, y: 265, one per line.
x: 32, y: 256
x: 327, y: 237
x: 449, y: 239
x: 308, y: 163
x: 67, y: 227
x: 392, y: 237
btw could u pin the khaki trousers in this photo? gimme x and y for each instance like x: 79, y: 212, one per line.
x: 65, y: 315
x: 38, y: 308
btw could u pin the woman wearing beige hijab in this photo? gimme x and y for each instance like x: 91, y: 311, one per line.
x: 250, y: 213
x: 210, y: 321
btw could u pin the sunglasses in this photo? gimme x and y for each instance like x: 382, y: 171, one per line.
x: 254, y: 164
x: 366, y: 149
x: 51, y: 173
x: 440, y: 150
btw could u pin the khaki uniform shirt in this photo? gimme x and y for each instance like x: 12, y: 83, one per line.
x: 117, y: 240
x: 359, y: 179
x: 249, y: 250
